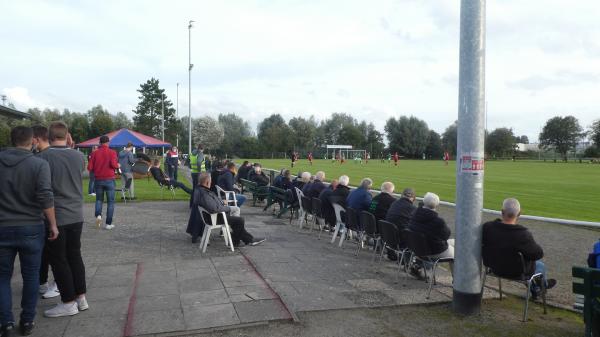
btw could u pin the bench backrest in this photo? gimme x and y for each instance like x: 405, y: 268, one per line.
x: 588, y: 285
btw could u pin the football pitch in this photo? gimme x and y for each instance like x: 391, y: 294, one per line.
x: 557, y: 190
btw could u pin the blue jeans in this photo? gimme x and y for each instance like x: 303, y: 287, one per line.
x: 108, y: 187
x: 27, y: 241
x: 240, y: 199
x: 91, y: 188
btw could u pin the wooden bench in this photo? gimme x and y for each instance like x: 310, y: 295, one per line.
x: 278, y: 196
x: 258, y: 192
x: 588, y: 285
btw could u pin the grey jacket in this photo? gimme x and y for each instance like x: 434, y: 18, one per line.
x: 209, y: 200
x: 25, y: 188
x: 66, y: 166
x: 126, y: 159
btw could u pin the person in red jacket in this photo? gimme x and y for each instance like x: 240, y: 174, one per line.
x: 103, y: 164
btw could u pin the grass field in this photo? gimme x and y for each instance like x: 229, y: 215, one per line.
x: 144, y: 191
x: 558, y: 190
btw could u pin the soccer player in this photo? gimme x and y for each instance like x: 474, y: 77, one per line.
x: 310, y: 158
x: 446, y: 157
x: 396, y: 158
x: 367, y: 157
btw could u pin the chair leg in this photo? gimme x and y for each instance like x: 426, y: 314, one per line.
x: 500, y: 287
x: 377, y: 241
x: 527, y: 291
x: 228, y: 238
x: 335, y: 232
x: 432, y: 279
x: 205, y: 237
x: 344, y: 232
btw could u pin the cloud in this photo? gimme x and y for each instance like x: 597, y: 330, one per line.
x: 560, y: 78
x: 20, y: 97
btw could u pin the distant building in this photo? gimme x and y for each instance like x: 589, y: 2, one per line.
x: 13, y: 113
x: 528, y: 147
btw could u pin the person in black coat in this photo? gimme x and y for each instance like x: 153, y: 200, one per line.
x: 503, y: 239
x: 326, y: 207
x: 258, y: 176
x: 341, y: 192
x: 427, y: 221
x: 225, y: 181
x: 402, y: 209
x: 317, y: 186
x: 382, y: 202
x: 243, y: 171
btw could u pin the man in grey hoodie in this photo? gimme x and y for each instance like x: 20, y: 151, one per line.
x: 127, y: 159
x: 66, y: 166
x: 26, y: 198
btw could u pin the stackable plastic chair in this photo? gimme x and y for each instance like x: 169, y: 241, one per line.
x: 213, y: 225
x: 340, y: 225
x: 229, y: 196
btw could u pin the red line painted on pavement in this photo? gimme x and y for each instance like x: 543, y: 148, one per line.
x: 273, y: 292
x: 128, y: 330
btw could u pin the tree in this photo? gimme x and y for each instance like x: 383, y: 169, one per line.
x: 500, y: 142
x: 522, y: 139
x: 79, y: 127
x: 274, y: 134
x: 374, y: 142
x: 450, y: 138
x: 329, y: 130
x: 208, y: 132
x: 147, y: 117
x: 121, y: 121
x: 304, y: 132
x: 434, y: 146
x: 236, y: 129
x: 100, y: 121
x: 350, y: 134
x: 407, y: 135
x: 595, y: 133
x: 562, y: 134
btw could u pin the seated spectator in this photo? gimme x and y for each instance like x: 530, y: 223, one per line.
x: 382, y: 202
x: 219, y: 167
x: 243, y: 171
x: 286, y: 180
x: 208, y: 200
x: 162, y: 178
x: 277, y: 180
x: 316, y: 186
x: 326, y: 207
x: 427, y: 221
x: 360, y: 199
x: 341, y: 192
x: 402, y: 209
x: 503, y: 239
x: 258, y: 176
x: 301, y: 181
x: 225, y: 181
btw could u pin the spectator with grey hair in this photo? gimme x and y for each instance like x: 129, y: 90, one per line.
x: 426, y: 220
x: 306, y: 179
x: 503, y: 239
x: 360, y: 199
x: 382, y: 202
x: 314, y: 189
x: 340, y: 194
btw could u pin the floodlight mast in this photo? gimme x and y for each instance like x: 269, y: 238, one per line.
x: 190, y: 66
x: 466, y: 297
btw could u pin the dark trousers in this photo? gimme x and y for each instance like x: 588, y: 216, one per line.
x: 27, y: 241
x: 194, y: 183
x: 67, y: 264
x: 238, y: 230
x: 44, y: 266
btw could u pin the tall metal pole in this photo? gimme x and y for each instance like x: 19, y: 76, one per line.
x: 163, y: 118
x: 177, y: 116
x: 470, y: 158
x: 190, y: 88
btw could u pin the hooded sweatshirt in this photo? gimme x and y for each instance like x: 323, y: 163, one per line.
x: 25, y: 188
x: 126, y: 159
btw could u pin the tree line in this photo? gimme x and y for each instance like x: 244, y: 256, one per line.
x: 231, y: 135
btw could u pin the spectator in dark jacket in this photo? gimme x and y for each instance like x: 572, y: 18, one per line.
x: 208, y: 200
x: 126, y: 160
x: 360, y: 199
x: 214, y: 175
x: 326, y: 207
x: 243, y: 171
x: 258, y: 176
x: 172, y: 163
x: 163, y: 179
x: 402, y: 209
x: 427, y: 221
x: 225, y: 181
x: 382, y: 202
x: 285, y: 181
x: 503, y: 239
x: 341, y: 192
x: 317, y: 186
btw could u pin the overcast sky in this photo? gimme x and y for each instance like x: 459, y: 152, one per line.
x: 373, y: 59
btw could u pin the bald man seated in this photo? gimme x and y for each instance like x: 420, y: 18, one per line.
x: 211, y: 202
x: 503, y: 239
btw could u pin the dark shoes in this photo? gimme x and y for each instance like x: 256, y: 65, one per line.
x: 195, y: 239
x: 536, y: 290
x: 26, y: 328
x: 7, y: 330
x: 550, y: 283
x: 417, y: 272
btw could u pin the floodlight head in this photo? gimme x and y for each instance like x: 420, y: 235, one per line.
x: 190, y: 25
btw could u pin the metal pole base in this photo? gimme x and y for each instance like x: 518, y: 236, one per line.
x: 466, y: 304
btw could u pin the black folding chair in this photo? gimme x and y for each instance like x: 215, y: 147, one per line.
x: 418, y: 244
x: 523, y: 279
x: 351, y: 224
x: 318, y: 215
x: 368, y: 229
x: 390, y: 241
x: 307, y: 207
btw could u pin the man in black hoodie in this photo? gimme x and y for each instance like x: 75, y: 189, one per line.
x: 503, y: 239
x: 26, y: 197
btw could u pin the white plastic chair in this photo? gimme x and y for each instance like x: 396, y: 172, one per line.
x: 340, y: 226
x: 229, y: 196
x: 208, y: 228
x: 301, y: 210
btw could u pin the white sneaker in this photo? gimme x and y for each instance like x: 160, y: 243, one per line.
x: 43, y: 288
x: 52, y: 291
x: 92, y: 194
x: 98, y: 221
x: 109, y: 226
x: 82, y: 303
x: 62, y: 309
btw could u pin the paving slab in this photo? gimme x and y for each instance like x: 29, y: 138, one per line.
x: 147, y: 322
x: 209, y: 316
x: 258, y: 311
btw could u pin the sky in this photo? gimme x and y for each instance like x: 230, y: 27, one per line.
x: 372, y: 59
